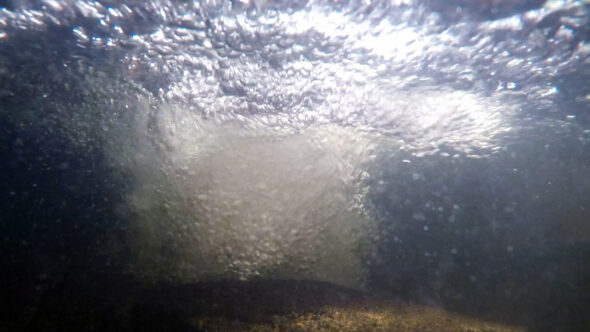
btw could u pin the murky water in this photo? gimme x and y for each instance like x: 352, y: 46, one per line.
x: 435, y: 152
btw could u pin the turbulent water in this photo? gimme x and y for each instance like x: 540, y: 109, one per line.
x: 311, y: 139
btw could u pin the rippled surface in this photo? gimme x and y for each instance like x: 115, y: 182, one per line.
x: 254, y: 131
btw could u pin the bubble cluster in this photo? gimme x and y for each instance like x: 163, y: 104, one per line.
x: 255, y: 122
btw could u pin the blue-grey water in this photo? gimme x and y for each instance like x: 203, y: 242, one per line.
x: 432, y: 151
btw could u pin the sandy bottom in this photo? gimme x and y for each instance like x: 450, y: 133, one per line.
x: 366, y: 317
x: 297, y: 306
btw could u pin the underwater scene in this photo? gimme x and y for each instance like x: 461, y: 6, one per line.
x: 295, y: 165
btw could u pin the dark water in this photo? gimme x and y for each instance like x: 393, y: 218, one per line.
x: 163, y: 158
